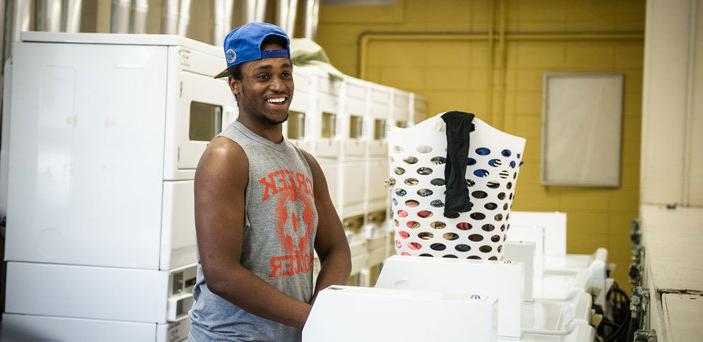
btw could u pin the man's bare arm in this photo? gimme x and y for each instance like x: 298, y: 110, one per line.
x: 330, y: 242
x: 220, y: 183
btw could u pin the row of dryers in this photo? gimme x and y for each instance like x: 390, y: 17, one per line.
x: 343, y: 122
x: 101, y: 137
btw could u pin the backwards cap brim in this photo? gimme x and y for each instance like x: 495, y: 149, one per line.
x: 221, y: 74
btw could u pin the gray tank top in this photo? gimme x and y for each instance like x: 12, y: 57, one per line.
x: 280, y: 223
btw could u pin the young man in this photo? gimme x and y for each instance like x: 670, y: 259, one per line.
x: 261, y: 205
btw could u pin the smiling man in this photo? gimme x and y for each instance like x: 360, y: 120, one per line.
x: 261, y: 207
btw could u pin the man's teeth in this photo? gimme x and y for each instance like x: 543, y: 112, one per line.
x: 276, y: 100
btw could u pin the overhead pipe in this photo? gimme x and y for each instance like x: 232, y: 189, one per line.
x: 491, y: 59
x: 312, y: 8
x: 218, y: 7
x: 292, y: 14
x: 239, y: 12
x: 140, y: 9
x: 49, y: 15
x: 184, y: 17
x: 282, y: 8
x: 365, y: 40
x: 250, y: 9
x: 72, y: 15
x: 119, y: 20
x: 2, y: 42
x: 169, y: 18
x: 287, y: 10
x: 21, y: 17
x: 3, y: 120
x: 260, y: 11
x: 223, y: 19
x: 316, y: 19
x: 227, y: 15
x: 498, y: 119
x: 316, y: 16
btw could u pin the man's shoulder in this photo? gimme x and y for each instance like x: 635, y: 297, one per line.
x: 222, y: 147
x: 309, y: 158
x: 223, y: 153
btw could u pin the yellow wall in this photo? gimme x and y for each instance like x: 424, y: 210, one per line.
x: 457, y: 66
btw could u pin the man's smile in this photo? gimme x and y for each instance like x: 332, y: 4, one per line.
x: 277, y: 100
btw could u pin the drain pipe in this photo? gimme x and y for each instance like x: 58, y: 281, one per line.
x: 312, y: 8
x: 72, y: 16
x: 223, y: 20
x: 20, y: 20
x: 169, y: 19
x: 282, y: 13
x: 260, y: 10
x: 292, y: 14
x: 316, y: 19
x: 140, y: 9
x: 119, y: 22
x: 250, y: 9
x: 3, y: 41
x: 184, y: 18
x: 49, y: 15
x: 287, y: 10
x: 227, y: 16
x: 218, y: 7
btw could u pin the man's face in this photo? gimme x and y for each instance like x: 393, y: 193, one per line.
x: 266, y: 88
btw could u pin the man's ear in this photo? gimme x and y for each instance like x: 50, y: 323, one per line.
x: 234, y: 86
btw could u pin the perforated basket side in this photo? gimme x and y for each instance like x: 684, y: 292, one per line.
x: 417, y: 162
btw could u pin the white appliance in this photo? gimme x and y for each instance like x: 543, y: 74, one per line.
x: 377, y: 243
x: 546, y: 285
x: 355, y: 100
x: 326, y: 145
x: 439, y: 299
x: 524, y: 252
x: 351, y: 314
x: 517, y: 319
x: 376, y: 199
x: 402, y: 113
x: 376, y: 154
x: 302, y: 108
x: 418, y: 109
x: 358, y: 248
x: 558, y: 273
x: 314, y: 123
x: 500, y: 280
x: 106, y: 131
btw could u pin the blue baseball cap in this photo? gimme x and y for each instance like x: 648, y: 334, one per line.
x: 243, y: 44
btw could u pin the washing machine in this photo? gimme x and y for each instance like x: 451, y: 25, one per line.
x: 559, y: 273
x: 426, y: 298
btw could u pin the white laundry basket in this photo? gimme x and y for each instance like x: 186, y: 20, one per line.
x: 417, y: 161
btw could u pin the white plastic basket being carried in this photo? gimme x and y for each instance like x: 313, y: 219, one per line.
x: 417, y: 160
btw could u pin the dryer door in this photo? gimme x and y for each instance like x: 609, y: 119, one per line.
x: 204, y: 107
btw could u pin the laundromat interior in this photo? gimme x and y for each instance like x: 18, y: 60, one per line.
x: 582, y: 175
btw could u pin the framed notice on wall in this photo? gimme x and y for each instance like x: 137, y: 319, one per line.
x: 581, y: 129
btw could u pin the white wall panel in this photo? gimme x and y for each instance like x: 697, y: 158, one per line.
x: 694, y: 195
x: 664, y: 100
